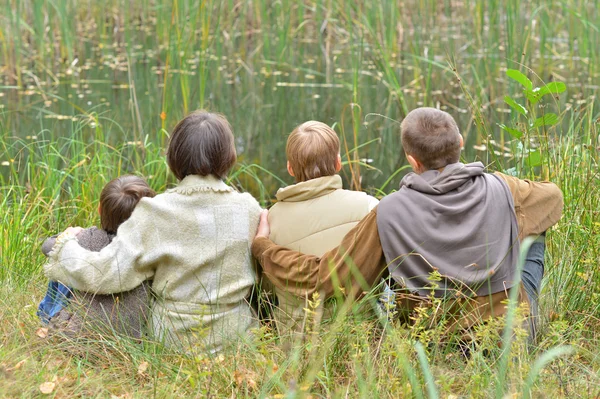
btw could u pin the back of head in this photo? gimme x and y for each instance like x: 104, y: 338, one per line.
x: 201, y: 144
x: 312, y: 151
x: 119, y: 198
x: 432, y: 137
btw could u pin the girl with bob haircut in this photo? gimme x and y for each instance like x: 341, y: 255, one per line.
x: 193, y: 241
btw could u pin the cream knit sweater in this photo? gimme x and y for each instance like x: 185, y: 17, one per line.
x: 194, y: 242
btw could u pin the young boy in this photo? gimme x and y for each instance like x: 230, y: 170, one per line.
x: 447, y: 218
x: 125, y: 312
x: 313, y: 215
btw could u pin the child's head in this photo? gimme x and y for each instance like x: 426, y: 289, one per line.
x: 313, y: 150
x: 118, y: 199
x: 431, y: 139
x: 201, y: 144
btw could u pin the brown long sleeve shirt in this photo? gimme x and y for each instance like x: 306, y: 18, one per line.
x: 358, y: 263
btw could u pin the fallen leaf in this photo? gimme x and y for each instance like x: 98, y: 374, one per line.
x: 42, y: 332
x: 47, y: 387
x: 16, y: 366
x: 245, y: 376
x: 142, y: 368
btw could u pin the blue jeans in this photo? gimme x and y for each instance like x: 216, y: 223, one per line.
x: 533, y: 272
x: 57, y: 298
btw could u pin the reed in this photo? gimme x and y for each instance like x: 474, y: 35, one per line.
x: 90, y: 90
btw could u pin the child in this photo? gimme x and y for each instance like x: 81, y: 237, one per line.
x: 314, y: 214
x: 122, y: 312
x: 447, y: 218
x: 193, y: 241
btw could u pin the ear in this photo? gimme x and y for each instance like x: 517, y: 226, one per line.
x: 99, y: 210
x: 289, y: 169
x: 414, y: 163
x: 462, y: 143
x: 338, y: 163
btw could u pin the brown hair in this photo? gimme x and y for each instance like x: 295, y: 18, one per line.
x: 432, y: 137
x: 118, y: 199
x: 201, y: 144
x: 312, y: 151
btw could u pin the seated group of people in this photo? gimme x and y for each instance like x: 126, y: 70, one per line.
x: 183, y: 259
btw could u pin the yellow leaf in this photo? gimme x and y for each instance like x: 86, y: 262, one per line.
x: 47, y: 387
x: 16, y: 366
x: 245, y: 376
x: 42, y: 332
x: 142, y: 368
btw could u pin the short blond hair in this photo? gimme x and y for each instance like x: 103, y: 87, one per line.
x: 431, y: 136
x: 312, y: 151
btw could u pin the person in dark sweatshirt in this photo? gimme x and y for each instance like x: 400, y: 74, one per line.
x: 451, y: 231
x: 124, y: 313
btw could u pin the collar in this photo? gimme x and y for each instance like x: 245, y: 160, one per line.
x: 310, y: 189
x: 196, y: 183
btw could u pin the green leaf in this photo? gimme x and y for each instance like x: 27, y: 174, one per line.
x: 519, y: 77
x: 515, y: 105
x: 535, y: 95
x: 532, y: 96
x: 513, y: 132
x: 534, y: 158
x: 549, y: 119
x: 552, y: 87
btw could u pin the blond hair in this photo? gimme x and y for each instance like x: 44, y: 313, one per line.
x: 432, y: 137
x: 312, y: 151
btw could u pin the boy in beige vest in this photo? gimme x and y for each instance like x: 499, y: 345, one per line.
x: 313, y: 215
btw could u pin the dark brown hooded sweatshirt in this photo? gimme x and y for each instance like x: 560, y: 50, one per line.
x: 449, y: 231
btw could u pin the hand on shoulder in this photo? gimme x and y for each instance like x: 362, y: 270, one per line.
x: 263, y: 227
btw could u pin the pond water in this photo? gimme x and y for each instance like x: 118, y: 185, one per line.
x: 136, y: 68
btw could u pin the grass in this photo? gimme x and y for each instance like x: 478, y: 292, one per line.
x: 89, y: 90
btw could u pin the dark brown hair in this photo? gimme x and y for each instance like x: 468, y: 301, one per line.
x: 118, y: 199
x: 312, y: 151
x: 432, y: 137
x: 201, y: 144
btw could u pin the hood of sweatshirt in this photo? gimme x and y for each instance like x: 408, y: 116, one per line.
x: 437, y: 183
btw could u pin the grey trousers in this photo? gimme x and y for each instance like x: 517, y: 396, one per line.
x: 533, y: 272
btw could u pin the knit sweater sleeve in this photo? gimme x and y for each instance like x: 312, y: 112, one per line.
x: 120, y: 266
x: 538, y: 205
x: 352, y: 268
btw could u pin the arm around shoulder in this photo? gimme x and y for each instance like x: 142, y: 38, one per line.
x: 120, y: 266
x: 538, y: 205
x: 354, y: 266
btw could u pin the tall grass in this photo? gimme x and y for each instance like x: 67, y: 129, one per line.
x: 89, y: 90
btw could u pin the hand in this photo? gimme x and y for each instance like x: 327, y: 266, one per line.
x: 263, y: 227
x: 73, y: 231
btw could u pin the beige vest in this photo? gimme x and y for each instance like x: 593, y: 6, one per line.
x: 312, y: 217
